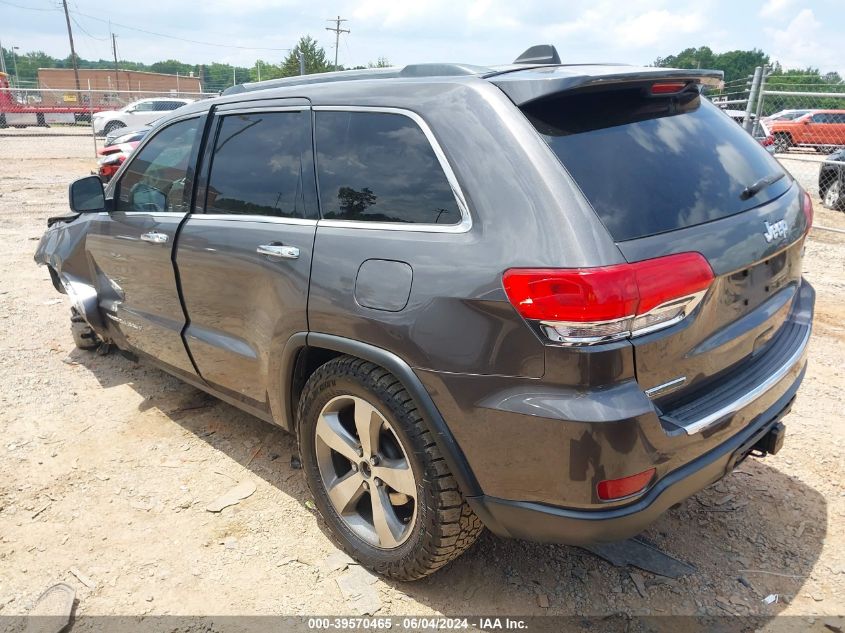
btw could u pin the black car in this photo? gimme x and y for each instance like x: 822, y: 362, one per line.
x: 552, y: 300
x: 832, y: 181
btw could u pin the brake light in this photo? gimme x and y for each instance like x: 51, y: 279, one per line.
x: 807, y: 208
x: 611, y: 489
x: 582, y: 306
x: 667, y: 87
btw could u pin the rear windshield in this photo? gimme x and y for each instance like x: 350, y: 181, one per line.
x: 650, y: 165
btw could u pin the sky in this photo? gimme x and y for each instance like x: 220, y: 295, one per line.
x: 797, y: 33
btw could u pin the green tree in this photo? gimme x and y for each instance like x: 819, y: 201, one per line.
x: 315, y: 58
x: 735, y: 64
x: 171, y: 67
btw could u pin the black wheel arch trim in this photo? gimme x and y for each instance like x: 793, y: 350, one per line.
x: 446, y: 442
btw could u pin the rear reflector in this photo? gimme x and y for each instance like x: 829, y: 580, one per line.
x: 582, y: 306
x: 667, y: 87
x: 611, y: 489
x: 807, y: 208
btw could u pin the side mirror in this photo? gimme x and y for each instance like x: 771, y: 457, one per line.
x: 86, y: 195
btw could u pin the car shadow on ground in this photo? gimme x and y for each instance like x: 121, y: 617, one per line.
x: 757, y: 533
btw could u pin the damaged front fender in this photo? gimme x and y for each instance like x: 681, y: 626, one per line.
x: 62, y: 250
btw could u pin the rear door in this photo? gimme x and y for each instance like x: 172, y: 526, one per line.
x: 244, y: 255
x: 130, y: 247
x: 669, y: 174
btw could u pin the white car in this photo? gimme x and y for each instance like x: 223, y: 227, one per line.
x: 135, y: 114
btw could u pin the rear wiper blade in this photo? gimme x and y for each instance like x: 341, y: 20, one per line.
x: 752, y: 190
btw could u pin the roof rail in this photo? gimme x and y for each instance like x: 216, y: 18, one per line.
x: 412, y: 70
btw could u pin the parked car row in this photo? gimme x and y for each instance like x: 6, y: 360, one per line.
x: 117, y: 148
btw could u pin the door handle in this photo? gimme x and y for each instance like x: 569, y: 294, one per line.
x: 153, y: 237
x: 278, y: 250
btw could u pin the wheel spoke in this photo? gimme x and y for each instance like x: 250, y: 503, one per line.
x: 397, y: 474
x: 388, y: 527
x: 346, y: 492
x: 368, y: 423
x: 332, y: 433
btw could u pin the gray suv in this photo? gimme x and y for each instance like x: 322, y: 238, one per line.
x: 552, y: 300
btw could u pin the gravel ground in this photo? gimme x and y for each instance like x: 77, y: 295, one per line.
x: 106, y: 467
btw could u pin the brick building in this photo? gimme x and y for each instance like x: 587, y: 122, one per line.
x: 112, y: 87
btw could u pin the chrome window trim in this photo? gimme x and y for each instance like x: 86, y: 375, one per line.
x: 466, y: 218
x: 267, y: 219
x: 239, y: 107
x: 747, y: 398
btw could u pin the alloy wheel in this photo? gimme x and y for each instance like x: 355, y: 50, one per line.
x: 366, y: 472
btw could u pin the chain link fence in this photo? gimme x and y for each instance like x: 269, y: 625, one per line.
x: 43, y: 111
x: 807, y: 130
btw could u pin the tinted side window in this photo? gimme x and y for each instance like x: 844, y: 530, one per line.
x: 155, y: 179
x: 380, y: 167
x: 821, y: 118
x: 263, y: 165
x: 144, y: 106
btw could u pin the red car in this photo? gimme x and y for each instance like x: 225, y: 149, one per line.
x: 113, y: 157
x: 823, y: 130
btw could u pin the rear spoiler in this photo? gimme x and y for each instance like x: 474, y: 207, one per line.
x: 524, y: 86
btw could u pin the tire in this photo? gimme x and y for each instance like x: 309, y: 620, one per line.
x: 783, y: 142
x: 111, y: 126
x: 3, y: 123
x: 84, y: 337
x: 833, y: 196
x: 428, y: 523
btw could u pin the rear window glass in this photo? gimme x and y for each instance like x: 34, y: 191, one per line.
x: 651, y: 165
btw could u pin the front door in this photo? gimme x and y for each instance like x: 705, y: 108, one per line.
x: 244, y: 255
x: 131, y: 246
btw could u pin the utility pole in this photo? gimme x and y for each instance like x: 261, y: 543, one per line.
x: 2, y: 60
x: 301, y: 63
x: 15, y: 62
x: 337, y: 31
x: 752, y: 98
x: 116, y: 67
x: 72, y: 49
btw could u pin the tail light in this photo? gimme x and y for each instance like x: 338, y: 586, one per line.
x: 807, y: 208
x: 612, y: 489
x: 769, y: 140
x: 584, y: 306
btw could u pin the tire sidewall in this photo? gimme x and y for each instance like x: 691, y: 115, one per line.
x: 318, y: 395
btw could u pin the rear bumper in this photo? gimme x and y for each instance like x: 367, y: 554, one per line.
x: 551, y: 524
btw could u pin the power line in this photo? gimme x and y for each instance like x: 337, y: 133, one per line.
x: 20, y: 6
x: 147, y: 32
x: 337, y: 31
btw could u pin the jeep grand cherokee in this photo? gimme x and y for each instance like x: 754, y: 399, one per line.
x: 552, y: 300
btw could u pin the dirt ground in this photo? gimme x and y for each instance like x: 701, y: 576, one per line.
x: 106, y: 468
